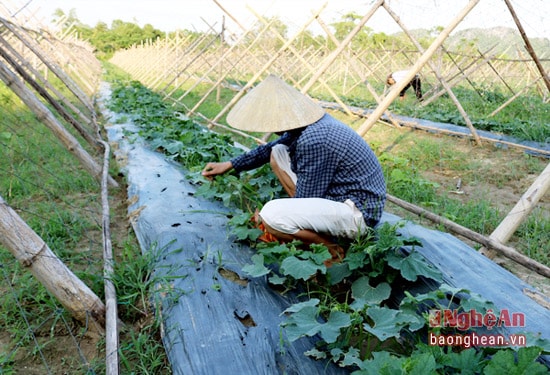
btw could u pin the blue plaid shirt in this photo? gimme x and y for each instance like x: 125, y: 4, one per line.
x: 331, y: 161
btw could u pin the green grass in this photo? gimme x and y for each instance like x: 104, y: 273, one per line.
x: 61, y: 202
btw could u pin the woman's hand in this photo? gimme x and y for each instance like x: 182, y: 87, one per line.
x: 213, y: 169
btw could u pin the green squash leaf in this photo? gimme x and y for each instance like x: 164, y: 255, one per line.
x: 412, y: 266
x: 257, y: 269
x: 366, y: 295
x: 503, y: 362
x: 300, y: 269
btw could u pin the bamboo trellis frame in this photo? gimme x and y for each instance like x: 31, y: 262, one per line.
x: 27, y: 247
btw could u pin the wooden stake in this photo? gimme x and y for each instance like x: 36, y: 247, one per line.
x: 488, y: 242
x: 369, y: 87
x: 523, y: 208
x: 44, y: 115
x: 305, y: 63
x: 516, y: 95
x: 261, y: 71
x: 45, y: 82
x: 46, y: 95
x: 35, y: 48
x: 528, y: 45
x: 33, y: 253
x: 111, y: 313
x: 443, y: 82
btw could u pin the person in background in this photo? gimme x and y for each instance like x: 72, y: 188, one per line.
x: 399, y: 76
x: 334, y: 181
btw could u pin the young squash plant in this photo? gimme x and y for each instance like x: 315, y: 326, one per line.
x: 370, y: 312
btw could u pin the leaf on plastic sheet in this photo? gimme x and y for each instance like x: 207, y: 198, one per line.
x: 352, y: 357
x: 388, y: 322
x: 257, y: 269
x: 466, y: 361
x: 316, y: 353
x: 477, y: 302
x: 364, y: 294
x: 243, y: 233
x: 318, y: 253
x: 356, y: 259
x: 302, y: 305
x: 302, y: 323
x: 414, y: 319
x: 412, y: 266
x: 276, y: 279
x: 503, y: 362
x: 382, y: 363
x: 173, y: 147
x: 300, y: 269
x: 331, y: 329
x: 536, y: 340
x: 303, y: 320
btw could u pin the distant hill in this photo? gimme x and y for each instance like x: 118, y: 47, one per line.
x: 505, y: 41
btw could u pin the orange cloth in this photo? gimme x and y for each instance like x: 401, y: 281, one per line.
x: 265, y: 236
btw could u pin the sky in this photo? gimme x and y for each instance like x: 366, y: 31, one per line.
x: 169, y: 15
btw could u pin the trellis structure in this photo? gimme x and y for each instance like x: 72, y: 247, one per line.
x: 30, y: 61
x: 168, y: 65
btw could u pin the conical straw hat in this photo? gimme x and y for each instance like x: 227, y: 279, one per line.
x: 273, y: 106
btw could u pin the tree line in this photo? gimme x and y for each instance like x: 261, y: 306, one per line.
x: 121, y: 34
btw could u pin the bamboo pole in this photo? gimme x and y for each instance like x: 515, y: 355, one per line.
x: 223, y: 76
x: 528, y: 45
x: 514, y: 97
x: 369, y: 87
x: 523, y: 208
x: 488, y: 242
x: 45, y: 82
x: 478, y: 65
x: 33, y: 253
x: 330, y: 59
x: 111, y: 313
x: 467, y: 78
x: 300, y: 58
x: 44, y: 115
x: 532, y: 70
x: 66, y: 115
x: 396, y: 89
x: 497, y: 73
x: 67, y: 81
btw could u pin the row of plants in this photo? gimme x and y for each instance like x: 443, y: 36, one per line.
x: 525, y: 119
x: 370, y: 313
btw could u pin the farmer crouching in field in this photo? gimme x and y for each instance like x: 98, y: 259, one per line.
x: 332, y: 176
x: 399, y: 76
